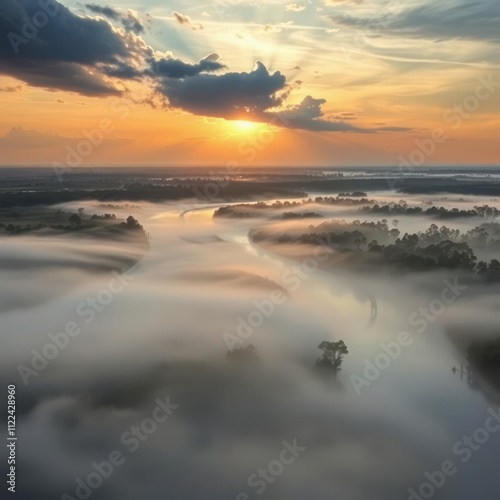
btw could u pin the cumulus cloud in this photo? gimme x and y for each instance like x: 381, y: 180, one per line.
x: 130, y: 21
x: 308, y: 115
x: 252, y: 96
x: 104, y: 10
x: 171, y: 67
x: 67, y: 52
x: 231, y: 95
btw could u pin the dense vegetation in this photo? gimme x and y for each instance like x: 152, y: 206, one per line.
x: 402, y: 208
x: 301, y: 215
x: 376, y: 243
x: 246, y: 210
x: 147, y: 192
x: 79, y: 224
x: 355, y: 194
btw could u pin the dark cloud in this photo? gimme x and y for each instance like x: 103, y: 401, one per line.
x: 308, y: 115
x: 123, y: 70
x: 64, y: 52
x: 104, y: 10
x: 166, y: 67
x: 130, y: 21
x: 231, y: 95
x: 437, y: 21
x: 133, y: 22
x: 171, y: 67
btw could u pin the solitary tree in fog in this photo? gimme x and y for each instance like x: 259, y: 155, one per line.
x: 75, y: 221
x: 243, y: 354
x: 333, y: 355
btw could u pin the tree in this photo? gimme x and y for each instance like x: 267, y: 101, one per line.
x: 333, y: 355
x: 75, y: 221
x: 494, y: 268
x: 243, y: 354
x: 373, y: 246
x: 482, y: 267
x: 132, y: 223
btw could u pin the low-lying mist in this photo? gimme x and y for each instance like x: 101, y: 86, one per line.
x: 92, y: 345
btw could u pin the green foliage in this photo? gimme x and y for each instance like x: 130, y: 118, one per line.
x: 333, y: 355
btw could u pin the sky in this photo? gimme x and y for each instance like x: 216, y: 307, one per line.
x: 268, y: 83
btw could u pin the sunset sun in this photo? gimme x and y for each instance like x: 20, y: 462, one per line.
x: 245, y: 126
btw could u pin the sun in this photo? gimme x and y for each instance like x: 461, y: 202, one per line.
x: 244, y: 126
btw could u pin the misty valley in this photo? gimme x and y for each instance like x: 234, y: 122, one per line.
x: 341, y: 344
